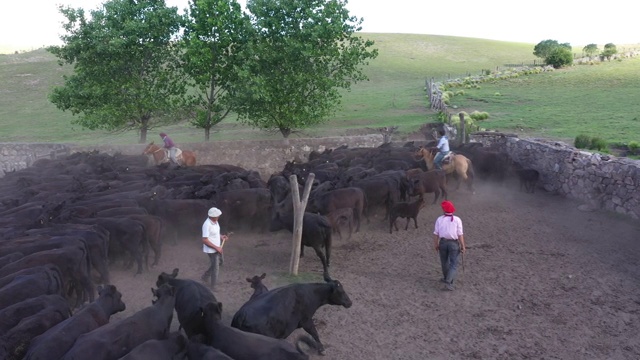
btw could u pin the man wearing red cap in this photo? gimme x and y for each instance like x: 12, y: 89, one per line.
x: 449, y: 242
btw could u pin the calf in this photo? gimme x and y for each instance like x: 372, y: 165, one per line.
x: 280, y: 311
x: 340, y: 218
x: 191, y: 297
x: 528, y: 179
x: 55, y: 342
x: 405, y: 210
x: 117, y: 339
x: 257, y: 286
x: 241, y: 345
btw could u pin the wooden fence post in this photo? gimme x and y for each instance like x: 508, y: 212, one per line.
x: 463, y: 136
x: 299, y: 206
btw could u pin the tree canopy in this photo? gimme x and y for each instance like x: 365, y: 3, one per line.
x: 301, y: 54
x: 127, y: 72
x: 554, y: 53
x: 214, y: 38
x: 610, y: 49
x: 544, y: 48
x: 590, y: 50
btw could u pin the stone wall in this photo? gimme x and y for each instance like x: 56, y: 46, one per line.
x: 600, y: 181
x: 266, y: 157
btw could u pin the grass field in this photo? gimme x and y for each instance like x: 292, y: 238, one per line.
x: 598, y: 100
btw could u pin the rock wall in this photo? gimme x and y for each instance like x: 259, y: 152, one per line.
x: 601, y: 181
x: 266, y: 157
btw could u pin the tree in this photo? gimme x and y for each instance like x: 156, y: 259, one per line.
x: 590, y: 50
x: 544, y: 48
x: 609, y: 50
x: 126, y: 69
x: 302, y: 53
x: 559, y: 57
x: 213, y: 41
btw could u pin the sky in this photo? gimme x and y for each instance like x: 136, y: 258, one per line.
x: 31, y: 24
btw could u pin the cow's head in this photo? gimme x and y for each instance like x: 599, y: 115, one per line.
x: 112, y: 297
x: 338, y: 295
x: 164, y: 278
x: 212, y: 312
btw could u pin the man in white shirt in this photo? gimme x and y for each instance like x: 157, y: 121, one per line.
x: 449, y: 242
x: 212, y: 245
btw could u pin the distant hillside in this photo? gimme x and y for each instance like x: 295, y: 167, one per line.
x: 393, y: 96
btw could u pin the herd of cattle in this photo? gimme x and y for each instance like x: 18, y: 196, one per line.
x: 65, y: 222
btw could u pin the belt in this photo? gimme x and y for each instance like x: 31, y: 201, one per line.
x: 448, y: 239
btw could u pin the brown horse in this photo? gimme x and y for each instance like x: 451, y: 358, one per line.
x: 161, y: 155
x: 458, y: 165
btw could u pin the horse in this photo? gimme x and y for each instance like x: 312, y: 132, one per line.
x: 161, y: 155
x: 458, y: 165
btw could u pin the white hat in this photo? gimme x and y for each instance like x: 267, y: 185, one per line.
x: 214, y: 212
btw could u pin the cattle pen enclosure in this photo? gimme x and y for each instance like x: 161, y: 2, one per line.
x: 541, y: 279
x: 544, y: 276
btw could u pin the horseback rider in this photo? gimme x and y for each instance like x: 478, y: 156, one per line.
x: 443, y: 149
x: 170, y: 146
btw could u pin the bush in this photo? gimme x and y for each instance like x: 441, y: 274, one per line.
x: 598, y: 144
x: 633, y: 147
x: 582, y: 141
x: 477, y: 115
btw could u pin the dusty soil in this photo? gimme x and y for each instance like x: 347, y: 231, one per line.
x: 541, y: 280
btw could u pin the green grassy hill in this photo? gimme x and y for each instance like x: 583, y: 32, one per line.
x: 394, y: 95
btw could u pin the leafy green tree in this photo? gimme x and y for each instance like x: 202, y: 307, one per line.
x: 590, y: 50
x: 304, y: 51
x: 559, y: 57
x: 544, y: 48
x: 609, y: 50
x: 213, y: 39
x: 126, y: 73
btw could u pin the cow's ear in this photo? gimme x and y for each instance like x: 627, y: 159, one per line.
x: 175, y: 272
x: 219, y: 306
x: 263, y: 275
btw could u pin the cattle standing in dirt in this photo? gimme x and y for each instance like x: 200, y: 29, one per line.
x: 191, y: 297
x: 433, y: 181
x: 528, y: 179
x: 118, y: 338
x: 54, y: 343
x: 316, y: 233
x: 241, y: 345
x: 405, y: 210
x: 280, y: 311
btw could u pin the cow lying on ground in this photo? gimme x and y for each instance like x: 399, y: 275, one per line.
x: 280, y: 311
x: 241, y: 345
x: 407, y: 210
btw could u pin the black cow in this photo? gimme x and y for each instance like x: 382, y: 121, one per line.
x: 14, y: 343
x: 405, y: 210
x: 241, y: 345
x: 198, y: 351
x: 280, y: 311
x: 325, y: 202
x: 12, y: 315
x: 31, y: 282
x: 55, y: 342
x: 165, y: 349
x: 191, y: 297
x: 116, y: 339
x: 257, y: 285
x: 316, y: 233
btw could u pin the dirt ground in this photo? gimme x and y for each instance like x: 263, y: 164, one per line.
x: 541, y: 280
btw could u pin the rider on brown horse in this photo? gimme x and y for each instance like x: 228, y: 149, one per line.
x: 170, y: 146
x: 443, y: 150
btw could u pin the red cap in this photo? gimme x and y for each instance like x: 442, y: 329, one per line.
x: 447, y: 207
x: 163, y: 134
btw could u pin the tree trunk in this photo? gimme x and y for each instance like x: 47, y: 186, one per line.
x: 463, y: 135
x: 299, y: 206
x: 207, y: 133
x: 144, y: 127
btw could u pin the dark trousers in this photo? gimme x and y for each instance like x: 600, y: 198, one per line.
x: 449, y: 251
x: 212, y: 272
